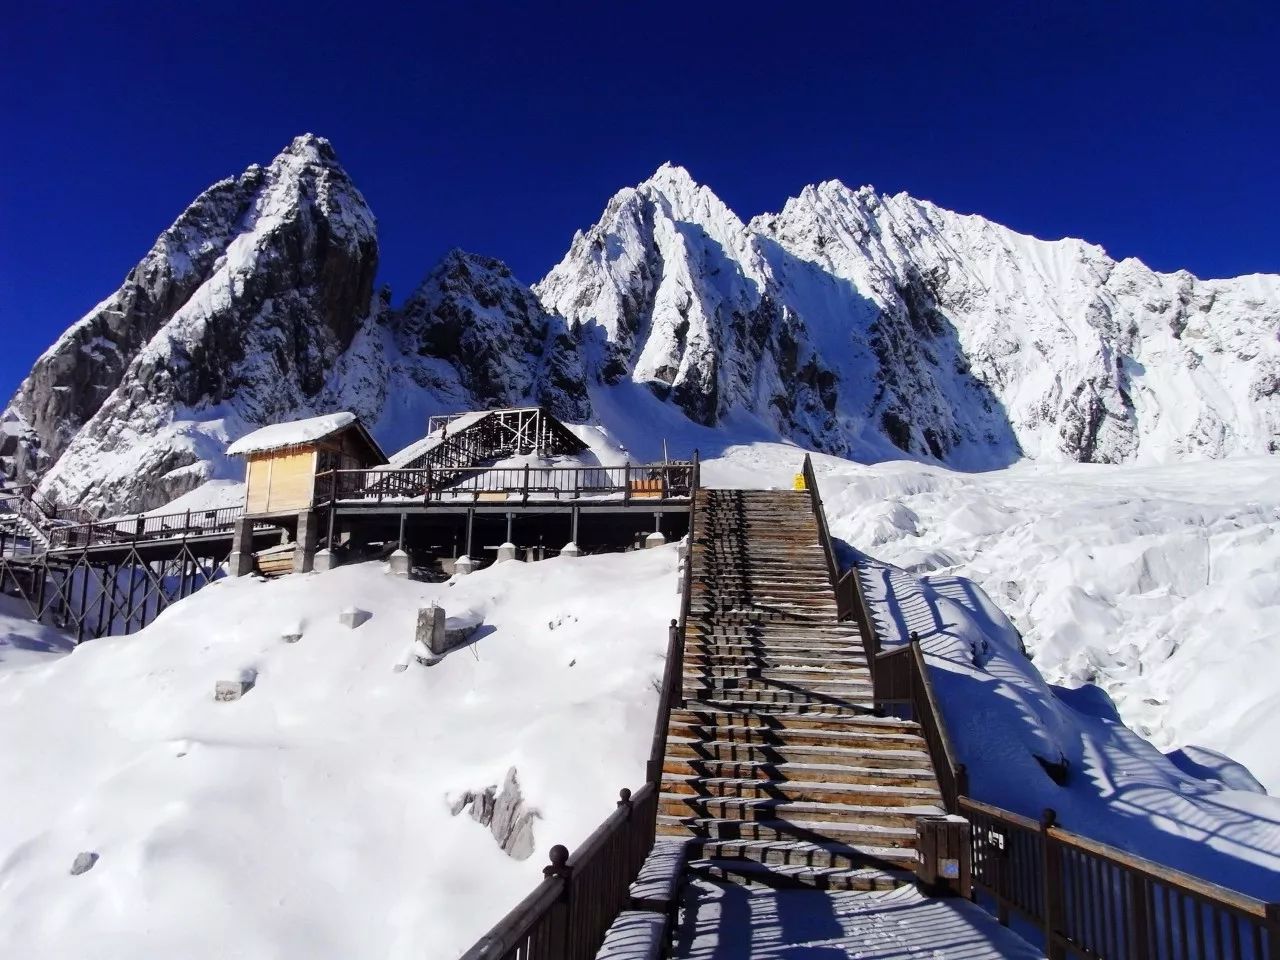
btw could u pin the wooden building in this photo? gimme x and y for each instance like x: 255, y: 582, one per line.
x: 282, y: 460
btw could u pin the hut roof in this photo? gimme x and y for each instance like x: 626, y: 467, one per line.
x: 296, y: 433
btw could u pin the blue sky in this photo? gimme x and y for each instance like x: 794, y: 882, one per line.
x: 1151, y: 129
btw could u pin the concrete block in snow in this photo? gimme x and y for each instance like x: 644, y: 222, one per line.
x: 430, y: 631
x: 352, y: 617
x: 225, y: 690
x: 654, y: 539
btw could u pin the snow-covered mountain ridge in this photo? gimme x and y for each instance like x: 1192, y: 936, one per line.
x: 869, y: 326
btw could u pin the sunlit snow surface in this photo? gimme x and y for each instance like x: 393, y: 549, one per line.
x: 1160, y: 584
x: 724, y: 921
x: 310, y: 819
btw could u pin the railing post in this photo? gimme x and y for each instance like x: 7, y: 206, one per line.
x: 1139, y: 918
x: 1052, y: 859
x: 333, y: 486
x: 558, y: 917
x: 626, y: 482
x: 524, y: 485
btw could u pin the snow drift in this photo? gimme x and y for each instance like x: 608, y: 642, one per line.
x: 311, y: 818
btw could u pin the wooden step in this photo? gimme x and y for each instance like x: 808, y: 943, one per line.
x: 849, y: 832
x: 833, y: 708
x: 683, y: 749
x: 801, y: 791
x: 751, y: 874
x: 758, y: 702
x: 710, y: 715
x: 767, y: 808
x: 788, y: 674
x: 850, y: 772
x: 823, y: 854
x: 773, y: 660
x: 816, y: 678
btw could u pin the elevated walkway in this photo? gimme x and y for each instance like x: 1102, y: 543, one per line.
x: 778, y: 769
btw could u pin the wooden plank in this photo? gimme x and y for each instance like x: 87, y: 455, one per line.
x: 292, y: 479
x: 1174, y: 878
x: 258, y: 484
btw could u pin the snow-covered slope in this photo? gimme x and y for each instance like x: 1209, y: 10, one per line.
x: 1160, y: 585
x: 1194, y: 811
x: 1087, y: 358
x: 312, y: 818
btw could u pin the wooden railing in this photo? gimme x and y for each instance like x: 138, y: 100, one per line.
x: 628, y: 483
x: 1090, y: 899
x: 169, y: 526
x: 824, y: 535
x: 672, y: 694
x: 567, y: 916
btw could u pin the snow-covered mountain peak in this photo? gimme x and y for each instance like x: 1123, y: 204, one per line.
x: 312, y: 148
x: 855, y: 322
x: 308, y: 170
x: 684, y: 201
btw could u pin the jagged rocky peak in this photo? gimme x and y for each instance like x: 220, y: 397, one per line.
x: 670, y: 284
x: 851, y: 321
x: 1084, y: 356
x: 233, y: 317
x: 508, y: 350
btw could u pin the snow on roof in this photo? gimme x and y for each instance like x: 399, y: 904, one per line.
x: 420, y: 448
x: 292, y: 434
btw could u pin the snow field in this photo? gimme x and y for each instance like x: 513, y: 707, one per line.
x: 1092, y: 565
x: 310, y: 818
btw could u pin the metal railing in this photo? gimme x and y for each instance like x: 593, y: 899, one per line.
x: 1091, y: 900
x: 567, y: 916
x: 630, y: 482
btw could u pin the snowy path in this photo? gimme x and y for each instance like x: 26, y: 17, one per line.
x: 726, y: 922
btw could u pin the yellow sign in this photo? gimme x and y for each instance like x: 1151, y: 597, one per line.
x: 798, y: 484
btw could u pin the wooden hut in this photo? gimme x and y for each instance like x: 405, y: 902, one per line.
x: 282, y: 460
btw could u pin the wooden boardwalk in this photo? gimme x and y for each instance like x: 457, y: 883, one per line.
x: 777, y: 768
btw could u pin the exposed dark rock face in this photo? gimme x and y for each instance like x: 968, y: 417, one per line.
x: 472, y: 313
x: 234, y: 317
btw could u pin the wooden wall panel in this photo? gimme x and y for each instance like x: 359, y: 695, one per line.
x: 258, y: 480
x: 292, y: 479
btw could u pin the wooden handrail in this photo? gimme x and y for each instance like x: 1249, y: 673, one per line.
x: 567, y: 915
x: 1095, y: 900
x: 929, y: 715
x: 824, y: 534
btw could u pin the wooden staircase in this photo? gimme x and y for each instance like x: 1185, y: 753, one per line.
x: 777, y: 768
